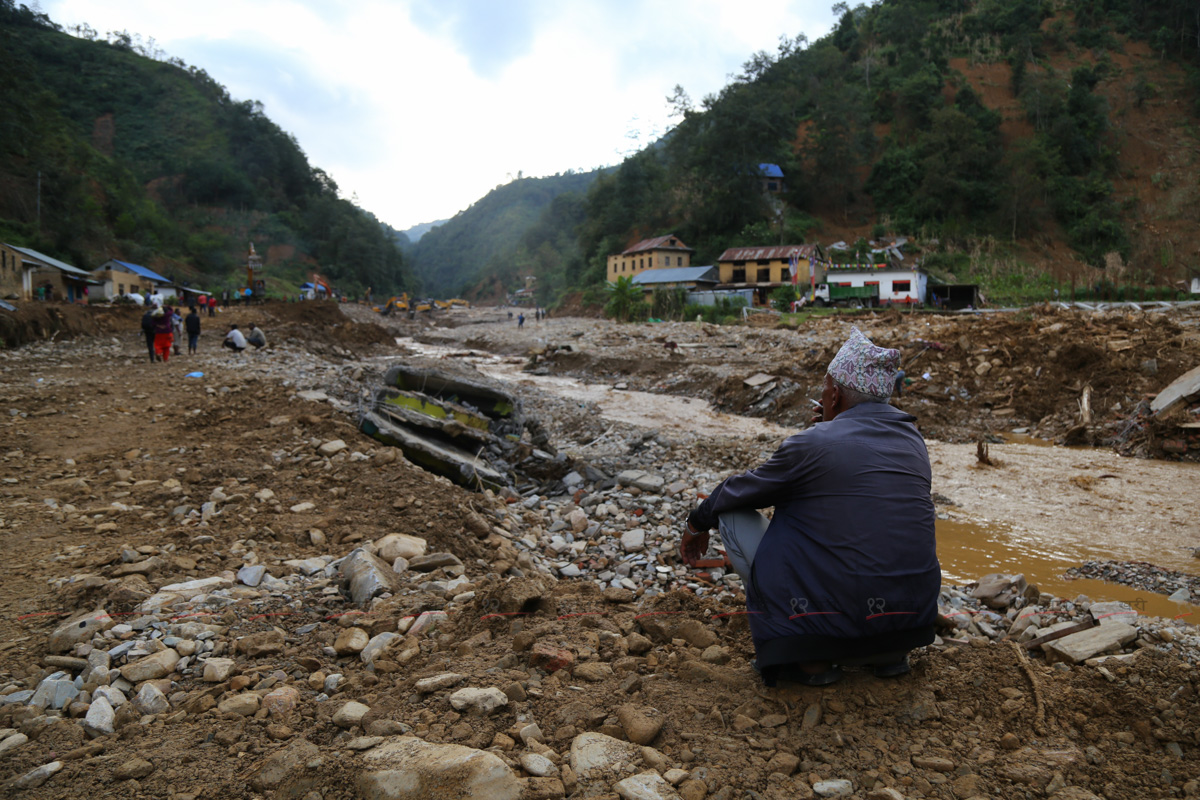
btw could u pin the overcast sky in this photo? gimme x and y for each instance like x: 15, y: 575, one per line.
x: 420, y: 107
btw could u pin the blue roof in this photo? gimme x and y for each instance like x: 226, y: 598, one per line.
x: 770, y: 171
x: 142, y: 271
x: 676, y: 275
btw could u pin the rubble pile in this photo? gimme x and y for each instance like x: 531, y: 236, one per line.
x: 219, y: 586
x: 1180, y: 587
x: 967, y: 376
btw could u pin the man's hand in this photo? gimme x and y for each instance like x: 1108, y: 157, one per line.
x: 694, y: 545
x: 818, y: 413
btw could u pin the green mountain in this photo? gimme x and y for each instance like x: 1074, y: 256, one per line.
x: 1014, y: 142
x: 417, y: 231
x: 105, y: 152
x: 520, y: 228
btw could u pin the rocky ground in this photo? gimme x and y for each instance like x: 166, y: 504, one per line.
x: 216, y: 587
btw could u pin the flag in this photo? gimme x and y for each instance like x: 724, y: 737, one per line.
x: 812, y: 274
x: 794, y: 266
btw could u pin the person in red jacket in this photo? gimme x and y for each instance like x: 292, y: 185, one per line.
x: 163, y: 332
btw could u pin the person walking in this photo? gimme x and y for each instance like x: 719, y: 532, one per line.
x: 148, y: 331
x: 162, y: 333
x: 192, y: 323
x: 176, y: 329
x: 521, y: 320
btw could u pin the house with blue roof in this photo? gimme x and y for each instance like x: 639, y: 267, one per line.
x: 770, y: 179
x: 120, y: 278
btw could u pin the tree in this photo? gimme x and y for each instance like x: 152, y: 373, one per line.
x: 623, y: 298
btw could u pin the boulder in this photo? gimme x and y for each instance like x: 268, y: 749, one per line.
x: 152, y: 667
x: 101, y: 719
x: 479, y: 702
x: 151, y: 700
x: 407, y: 768
x: 217, y: 670
x: 281, y: 700
x: 640, y: 728
x: 400, y: 545
x: 591, y: 751
x: 436, y: 683
x: 1079, y: 647
x: 350, y: 714
x: 266, y: 643
x: 645, y: 786
x: 283, y: 764
x: 367, y: 575
x: 350, y: 641
x: 79, y: 629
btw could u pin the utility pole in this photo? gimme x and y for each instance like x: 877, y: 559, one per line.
x: 39, y: 202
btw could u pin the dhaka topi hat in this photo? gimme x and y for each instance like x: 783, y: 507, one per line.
x: 865, y: 367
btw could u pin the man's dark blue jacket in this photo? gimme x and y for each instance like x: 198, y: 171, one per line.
x: 848, y: 566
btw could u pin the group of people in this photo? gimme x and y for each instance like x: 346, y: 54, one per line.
x: 237, y: 341
x: 164, y: 328
x: 539, y: 315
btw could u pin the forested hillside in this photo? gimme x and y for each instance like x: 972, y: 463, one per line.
x: 525, y: 227
x: 154, y: 162
x: 1011, y: 140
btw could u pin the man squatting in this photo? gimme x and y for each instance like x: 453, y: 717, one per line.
x: 846, y: 573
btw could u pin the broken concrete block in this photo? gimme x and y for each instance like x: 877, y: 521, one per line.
x: 367, y: 575
x: 79, y: 629
x: 1079, y: 647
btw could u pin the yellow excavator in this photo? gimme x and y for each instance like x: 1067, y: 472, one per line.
x: 394, y: 305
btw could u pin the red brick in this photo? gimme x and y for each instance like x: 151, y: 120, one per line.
x: 550, y: 658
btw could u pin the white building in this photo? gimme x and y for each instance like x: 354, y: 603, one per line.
x: 896, y: 284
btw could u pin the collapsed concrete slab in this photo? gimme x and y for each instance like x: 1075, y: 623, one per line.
x: 452, y: 423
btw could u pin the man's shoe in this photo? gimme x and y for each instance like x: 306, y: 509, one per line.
x: 891, y: 670
x: 797, y: 675
x: 825, y: 678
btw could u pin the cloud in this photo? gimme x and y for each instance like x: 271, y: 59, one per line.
x: 489, y: 34
x: 420, y: 107
x: 293, y: 91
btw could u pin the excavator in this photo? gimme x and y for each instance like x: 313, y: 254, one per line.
x: 394, y: 305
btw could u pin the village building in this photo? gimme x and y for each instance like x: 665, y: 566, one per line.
x: 770, y: 179
x: 121, y: 278
x: 12, y: 273
x: 658, y: 253
x: 898, y: 284
x: 46, y: 278
x: 690, y: 278
x: 764, y: 269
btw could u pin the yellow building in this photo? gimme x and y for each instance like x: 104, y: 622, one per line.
x: 766, y: 268
x: 12, y: 279
x: 658, y: 253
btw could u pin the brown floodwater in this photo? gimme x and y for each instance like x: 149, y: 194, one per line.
x: 969, y: 550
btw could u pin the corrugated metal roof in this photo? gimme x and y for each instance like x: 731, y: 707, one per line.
x: 658, y: 243
x: 138, y: 269
x: 783, y: 252
x: 676, y: 275
x: 52, y: 262
x: 770, y: 171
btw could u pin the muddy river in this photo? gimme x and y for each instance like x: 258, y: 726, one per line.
x: 1038, y: 510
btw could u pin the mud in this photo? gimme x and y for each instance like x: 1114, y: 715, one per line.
x: 95, y: 435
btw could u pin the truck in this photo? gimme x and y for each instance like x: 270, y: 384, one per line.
x: 832, y: 294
